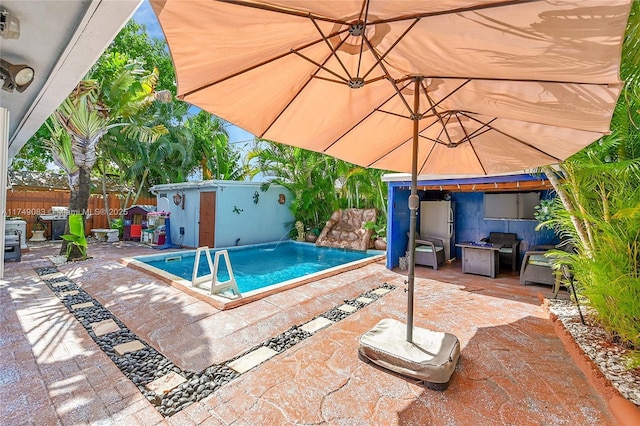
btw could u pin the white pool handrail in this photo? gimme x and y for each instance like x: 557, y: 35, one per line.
x: 195, y: 279
x: 227, y: 288
x: 224, y: 287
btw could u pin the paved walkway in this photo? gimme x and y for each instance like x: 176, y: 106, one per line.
x: 513, y: 369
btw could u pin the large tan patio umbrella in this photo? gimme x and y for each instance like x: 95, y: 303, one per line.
x: 437, y: 87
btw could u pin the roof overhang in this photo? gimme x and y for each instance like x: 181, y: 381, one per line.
x: 405, y: 177
x: 60, y: 40
x: 521, y: 181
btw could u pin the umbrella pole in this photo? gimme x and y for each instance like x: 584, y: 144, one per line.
x: 432, y: 358
x: 413, y: 209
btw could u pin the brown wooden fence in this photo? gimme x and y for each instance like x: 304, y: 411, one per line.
x: 29, y: 204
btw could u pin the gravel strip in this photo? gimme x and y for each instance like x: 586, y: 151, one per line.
x: 146, y: 365
x: 600, y: 346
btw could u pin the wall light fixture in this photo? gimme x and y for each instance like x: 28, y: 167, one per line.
x: 17, y: 77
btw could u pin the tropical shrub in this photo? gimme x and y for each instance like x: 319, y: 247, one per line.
x: 598, y: 189
x: 320, y: 184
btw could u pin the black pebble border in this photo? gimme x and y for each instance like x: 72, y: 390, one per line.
x: 146, y: 365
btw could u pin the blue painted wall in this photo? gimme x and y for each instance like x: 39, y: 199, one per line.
x: 398, y: 219
x: 469, y: 222
x: 470, y: 225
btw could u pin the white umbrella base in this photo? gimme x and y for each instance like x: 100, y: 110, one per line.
x: 431, y: 357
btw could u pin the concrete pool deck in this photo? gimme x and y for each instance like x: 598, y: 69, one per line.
x: 513, y: 368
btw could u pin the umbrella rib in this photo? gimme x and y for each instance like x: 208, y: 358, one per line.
x: 388, y: 152
x: 333, y: 52
x: 467, y: 138
x: 404, y: 116
x: 511, y: 136
x: 464, y: 129
x: 305, y: 14
x: 366, y: 15
x: 365, y: 3
x: 432, y: 108
x: 293, y: 98
x: 360, y: 121
x: 317, y: 64
x: 385, y: 72
x: 426, y: 158
x: 445, y: 130
x: 473, y: 148
x: 402, y: 143
x: 246, y: 70
x: 395, y: 43
x: 373, y: 80
x: 478, y: 132
x: 331, y: 80
x: 393, y: 113
x: 513, y: 80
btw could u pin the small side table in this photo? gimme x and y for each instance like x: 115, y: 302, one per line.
x: 480, y: 258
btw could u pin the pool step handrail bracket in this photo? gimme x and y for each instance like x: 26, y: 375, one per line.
x: 227, y: 288
x: 195, y: 279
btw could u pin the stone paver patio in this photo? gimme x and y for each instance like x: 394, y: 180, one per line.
x: 513, y: 369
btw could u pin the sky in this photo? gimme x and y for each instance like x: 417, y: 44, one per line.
x: 144, y: 15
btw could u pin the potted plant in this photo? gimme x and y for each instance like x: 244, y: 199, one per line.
x: 312, y: 234
x: 544, y: 213
x: 379, y: 235
x: 37, y: 229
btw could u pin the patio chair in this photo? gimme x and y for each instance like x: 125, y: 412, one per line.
x: 537, y: 268
x: 429, y: 251
x: 509, y: 253
x: 12, y: 246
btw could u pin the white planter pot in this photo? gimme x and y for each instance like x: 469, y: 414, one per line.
x: 38, y: 236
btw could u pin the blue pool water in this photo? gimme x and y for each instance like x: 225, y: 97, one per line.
x: 259, y: 266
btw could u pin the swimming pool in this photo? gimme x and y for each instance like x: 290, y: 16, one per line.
x: 259, y: 269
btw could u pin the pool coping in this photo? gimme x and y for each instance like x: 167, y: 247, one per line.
x: 224, y: 303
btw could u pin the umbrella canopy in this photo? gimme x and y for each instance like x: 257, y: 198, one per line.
x: 438, y: 87
x: 509, y: 84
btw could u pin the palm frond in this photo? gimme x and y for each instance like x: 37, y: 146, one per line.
x: 143, y: 133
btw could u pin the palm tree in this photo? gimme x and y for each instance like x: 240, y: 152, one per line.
x: 90, y: 111
x: 139, y: 163
x: 211, y: 151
